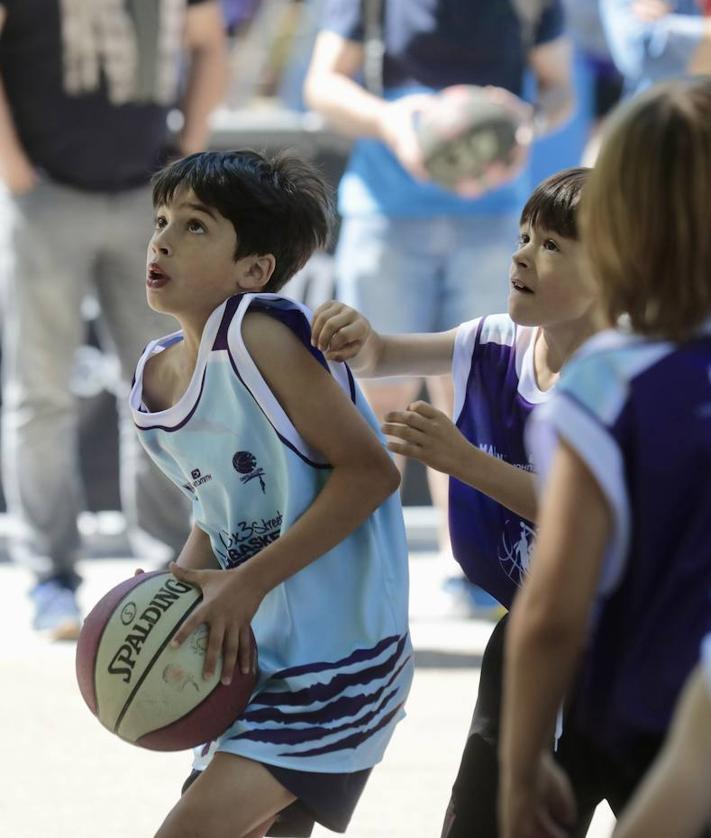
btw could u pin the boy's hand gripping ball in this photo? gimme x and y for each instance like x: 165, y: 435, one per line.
x: 473, y: 138
x: 141, y: 688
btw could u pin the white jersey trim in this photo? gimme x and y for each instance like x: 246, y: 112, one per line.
x: 497, y: 328
x: 564, y: 418
x: 254, y: 381
x: 179, y: 412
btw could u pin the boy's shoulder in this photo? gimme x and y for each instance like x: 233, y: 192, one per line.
x: 600, y: 374
x: 489, y: 328
x: 494, y: 330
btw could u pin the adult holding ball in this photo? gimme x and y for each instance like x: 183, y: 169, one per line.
x: 473, y: 139
x: 413, y: 255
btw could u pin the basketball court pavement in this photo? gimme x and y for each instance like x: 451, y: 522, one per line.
x: 64, y: 776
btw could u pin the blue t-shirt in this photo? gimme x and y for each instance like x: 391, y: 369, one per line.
x: 429, y: 45
x: 646, y: 52
x: 495, y: 391
x: 638, y: 412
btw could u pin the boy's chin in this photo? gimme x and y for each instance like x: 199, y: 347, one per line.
x: 522, y: 318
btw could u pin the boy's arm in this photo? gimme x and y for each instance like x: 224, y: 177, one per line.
x: 206, y: 83
x: 362, y: 477
x: 428, y: 435
x: 547, y: 630
x: 197, y: 554
x: 343, y: 334
x: 674, y: 797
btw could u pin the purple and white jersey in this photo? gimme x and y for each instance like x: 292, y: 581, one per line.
x: 638, y: 412
x: 495, y: 391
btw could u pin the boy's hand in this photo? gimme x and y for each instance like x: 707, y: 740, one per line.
x: 427, y: 435
x: 228, y: 604
x: 339, y: 331
x: 542, y: 807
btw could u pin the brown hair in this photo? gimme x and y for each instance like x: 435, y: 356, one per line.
x: 278, y: 204
x: 646, y: 211
x: 553, y: 204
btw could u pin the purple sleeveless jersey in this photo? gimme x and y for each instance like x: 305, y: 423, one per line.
x: 494, y: 393
x: 638, y: 412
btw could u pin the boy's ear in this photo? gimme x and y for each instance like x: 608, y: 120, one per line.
x: 257, y: 272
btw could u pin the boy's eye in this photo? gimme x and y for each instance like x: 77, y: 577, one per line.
x: 159, y: 222
x: 549, y: 244
x: 195, y: 226
x: 523, y: 238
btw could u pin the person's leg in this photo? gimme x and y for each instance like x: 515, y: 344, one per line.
x: 52, y: 237
x: 472, y: 806
x: 232, y: 798
x: 387, y: 269
x: 151, y: 504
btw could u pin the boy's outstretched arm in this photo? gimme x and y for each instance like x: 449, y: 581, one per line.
x: 428, y: 435
x: 674, y: 796
x: 362, y: 477
x: 343, y: 334
x: 546, y: 633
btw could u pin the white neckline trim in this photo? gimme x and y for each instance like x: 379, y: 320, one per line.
x: 527, y: 384
x: 177, y: 413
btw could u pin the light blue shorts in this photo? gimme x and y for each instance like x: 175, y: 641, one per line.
x: 425, y: 274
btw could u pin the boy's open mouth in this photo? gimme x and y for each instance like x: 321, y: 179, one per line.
x: 519, y: 286
x: 156, y: 276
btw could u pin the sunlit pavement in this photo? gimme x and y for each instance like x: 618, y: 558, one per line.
x: 64, y: 776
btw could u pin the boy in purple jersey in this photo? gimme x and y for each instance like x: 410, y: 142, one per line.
x: 613, y: 611
x: 502, y: 366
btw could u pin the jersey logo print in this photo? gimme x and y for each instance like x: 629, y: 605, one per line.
x: 248, y: 538
x: 197, y: 478
x: 245, y: 463
x: 515, y: 553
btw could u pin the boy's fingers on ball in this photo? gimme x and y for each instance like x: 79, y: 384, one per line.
x: 214, y: 649
x: 230, y: 650
x: 245, y: 650
x: 138, y: 571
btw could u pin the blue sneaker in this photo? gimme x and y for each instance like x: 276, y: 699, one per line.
x: 56, y: 610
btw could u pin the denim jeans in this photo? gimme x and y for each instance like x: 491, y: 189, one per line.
x: 62, y: 243
x: 425, y: 274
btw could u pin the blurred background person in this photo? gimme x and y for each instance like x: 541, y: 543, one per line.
x: 597, y: 67
x: 653, y: 40
x: 412, y: 256
x: 85, y: 90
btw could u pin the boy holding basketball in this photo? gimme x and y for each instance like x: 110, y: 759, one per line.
x: 502, y: 367
x: 297, y: 526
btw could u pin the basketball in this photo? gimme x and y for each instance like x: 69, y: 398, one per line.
x: 137, y: 685
x: 467, y: 129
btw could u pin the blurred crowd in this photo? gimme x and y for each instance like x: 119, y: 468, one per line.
x: 97, y: 94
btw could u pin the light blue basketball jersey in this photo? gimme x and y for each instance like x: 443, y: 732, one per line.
x: 335, y: 660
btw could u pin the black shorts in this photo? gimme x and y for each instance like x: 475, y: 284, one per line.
x: 472, y: 807
x: 328, y: 799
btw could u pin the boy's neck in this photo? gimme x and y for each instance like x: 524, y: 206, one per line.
x: 555, y: 344
x: 192, y: 336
